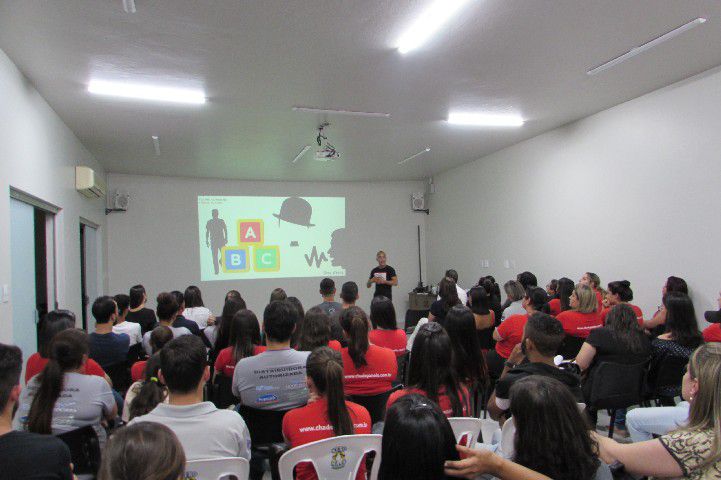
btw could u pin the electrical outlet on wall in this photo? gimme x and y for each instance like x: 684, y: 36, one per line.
x: 5, y: 294
x: 507, y: 263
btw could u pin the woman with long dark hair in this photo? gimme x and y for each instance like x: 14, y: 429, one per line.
x: 368, y: 369
x: 468, y: 361
x: 315, y: 332
x: 673, y: 284
x: 620, y: 292
x: 493, y: 290
x: 326, y: 407
x: 195, y: 310
x: 431, y: 372
x: 145, y: 395
x: 562, y: 300
x: 295, y: 301
x: 219, y: 334
x: 137, y: 312
x: 682, y: 335
x: 244, y: 342
x: 449, y: 299
x: 86, y: 399
x: 385, y: 331
x: 483, y: 316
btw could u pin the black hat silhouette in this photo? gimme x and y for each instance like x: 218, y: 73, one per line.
x: 295, y: 210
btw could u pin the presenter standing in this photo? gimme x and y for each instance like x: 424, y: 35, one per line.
x: 216, y: 237
x: 384, y: 277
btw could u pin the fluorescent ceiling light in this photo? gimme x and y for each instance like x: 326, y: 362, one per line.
x: 146, y: 92
x: 647, y: 46
x: 427, y: 149
x: 428, y: 23
x: 129, y: 6
x: 334, y: 111
x: 485, y: 120
x: 301, y: 153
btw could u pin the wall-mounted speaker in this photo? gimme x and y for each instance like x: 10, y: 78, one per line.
x: 418, y: 202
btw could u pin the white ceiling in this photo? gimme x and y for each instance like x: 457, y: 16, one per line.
x: 256, y: 59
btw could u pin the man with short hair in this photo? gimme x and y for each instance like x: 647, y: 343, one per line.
x: 327, y: 291
x: 542, y: 336
x: 274, y: 379
x: 107, y: 348
x: 527, y: 279
x: 25, y: 454
x: 383, y: 276
x: 204, y: 431
x: 131, y: 329
x: 180, y: 320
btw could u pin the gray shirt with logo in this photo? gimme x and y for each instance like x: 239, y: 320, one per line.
x: 272, y: 380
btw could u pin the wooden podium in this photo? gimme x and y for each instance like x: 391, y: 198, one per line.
x: 420, y: 301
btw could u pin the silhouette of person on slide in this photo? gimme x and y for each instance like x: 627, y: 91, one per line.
x: 216, y: 237
x: 340, y: 251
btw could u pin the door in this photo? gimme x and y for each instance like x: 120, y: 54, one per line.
x: 89, y: 272
x: 23, y: 283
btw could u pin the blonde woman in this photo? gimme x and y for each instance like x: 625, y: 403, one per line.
x: 583, y: 315
x: 694, y: 450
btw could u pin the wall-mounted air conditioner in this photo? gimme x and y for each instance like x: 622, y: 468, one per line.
x: 89, y: 183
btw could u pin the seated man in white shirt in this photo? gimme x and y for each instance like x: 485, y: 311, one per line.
x: 204, y: 431
x: 131, y: 329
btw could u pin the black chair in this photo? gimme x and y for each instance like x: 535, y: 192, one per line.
x: 375, y: 404
x: 266, y: 428
x: 402, y: 361
x: 616, y: 385
x: 119, y: 374
x: 663, y: 382
x: 413, y: 317
x: 222, y: 393
x: 570, y: 347
x: 84, y: 449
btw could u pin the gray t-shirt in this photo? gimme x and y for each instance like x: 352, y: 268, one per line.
x: 272, y: 380
x: 330, y: 307
x: 177, y: 332
x: 203, y: 430
x: 84, y: 400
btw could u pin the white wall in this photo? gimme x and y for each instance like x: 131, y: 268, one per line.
x: 156, y: 241
x: 38, y: 155
x: 633, y: 192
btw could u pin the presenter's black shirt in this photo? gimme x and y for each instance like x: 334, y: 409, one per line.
x: 25, y: 455
x: 386, y: 273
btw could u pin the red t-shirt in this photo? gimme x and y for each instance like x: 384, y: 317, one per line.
x: 712, y: 333
x: 599, y: 300
x: 393, y: 339
x: 555, y: 306
x: 511, y: 332
x: 335, y: 345
x: 371, y: 379
x: 578, y: 324
x: 310, y: 423
x: 443, y: 400
x: 639, y: 314
x: 36, y: 364
x: 137, y: 371
x: 224, y: 363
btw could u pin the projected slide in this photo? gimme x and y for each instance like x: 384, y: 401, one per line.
x: 271, y: 237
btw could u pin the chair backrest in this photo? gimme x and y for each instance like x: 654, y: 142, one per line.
x: 508, y: 437
x: 222, y: 391
x: 665, y: 374
x: 84, y: 449
x: 119, y: 374
x: 402, y: 361
x: 489, y: 427
x: 467, y: 429
x: 375, y: 404
x: 265, y: 426
x: 570, y: 347
x: 617, y: 385
x: 218, y: 468
x: 336, y: 458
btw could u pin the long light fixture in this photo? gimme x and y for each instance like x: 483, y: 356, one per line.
x: 647, y: 46
x: 129, y: 6
x: 156, y: 145
x: 147, y: 92
x: 333, y: 111
x: 428, y: 23
x: 301, y: 153
x: 485, y: 119
x: 425, y: 150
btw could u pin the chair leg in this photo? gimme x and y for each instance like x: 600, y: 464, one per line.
x: 612, y: 424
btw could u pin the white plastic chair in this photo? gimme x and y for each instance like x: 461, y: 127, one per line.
x: 335, y: 458
x: 217, y: 469
x: 468, y: 427
x: 508, y: 435
x: 489, y: 427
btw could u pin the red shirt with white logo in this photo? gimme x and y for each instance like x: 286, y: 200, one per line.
x: 310, y: 423
x: 224, y: 363
x: 511, y: 332
x: 639, y: 314
x: 393, y: 339
x: 373, y: 378
x: 36, y: 364
x: 443, y: 400
x: 579, y: 324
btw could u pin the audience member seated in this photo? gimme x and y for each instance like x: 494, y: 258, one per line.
x: 180, y: 320
x: 385, y: 331
x: 447, y: 299
x: 144, y: 395
x: 23, y: 454
x: 552, y: 288
x: 645, y: 423
x: 143, y: 452
x: 274, y: 379
x: 712, y: 333
x: 159, y: 337
x: 300, y: 315
x: 562, y: 302
x: 583, y: 316
x: 673, y: 284
x: 417, y: 440
x: 244, y: 342
x: 620, y: 292
x: 691, y: 451
x: 278, y: 295
x: 61, y: 398
x: 592, y: 280
x: 514, y: 297
x: 327, y: 414
x: 138, y: 313
x: 219, y: 334
x: 368, y: 369
x: 431, y: 373
x: 327, y: 292
x: 509, y: 333
x: 315, y: 332
x: 51, y: 324
x: 542, y: 336
x: 468, y: 361
x: 527, y: 280
x: 234, y: 294
x: 483, y: 317
x: 131, y: 329
x: 107, y: 348
x: 167, y: 310
x: 494, y: 296
x: 348, y: 297
x: 194, y: 308
x: 204, y: 431
x: 462, y: 295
